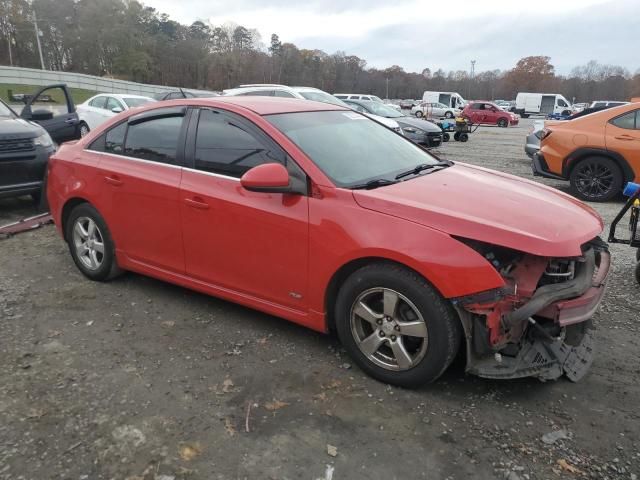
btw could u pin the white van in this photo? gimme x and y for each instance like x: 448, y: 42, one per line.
x: 541, y: 104
x: 450, y: 99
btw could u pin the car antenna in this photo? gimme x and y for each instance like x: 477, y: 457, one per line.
x: 183, y: 95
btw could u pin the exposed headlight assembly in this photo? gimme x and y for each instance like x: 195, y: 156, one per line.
x: 44, y: 140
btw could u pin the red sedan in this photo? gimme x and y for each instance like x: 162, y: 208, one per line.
x: 320, y: 215
x: 488, y: 113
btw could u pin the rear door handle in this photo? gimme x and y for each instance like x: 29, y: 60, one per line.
x: 625, y: 137
x: 113, y: 180
x: 70, y: 120
x: 196, y: 202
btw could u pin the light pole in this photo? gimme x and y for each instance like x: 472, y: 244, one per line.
x: 473, y: 71
x: 387, y: 79
x: 35, y: 25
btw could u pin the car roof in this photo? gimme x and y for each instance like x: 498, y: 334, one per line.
x: 608, y: 112
x: 257, y: 104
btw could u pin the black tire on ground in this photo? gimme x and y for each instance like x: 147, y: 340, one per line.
x: 464, y: 137
x: 418, y: 113
x: 456, y: 136
x: 524, y: 115
x: 108, y: 267
x: 596, y: 179
x: 566, y: 113
x: 83, y: 129
x: 446, y: 137
x: 638, y: 254
x: 503, y: 122
x: 638, y: 273
x: 448, y: 114
x: 443, y: 327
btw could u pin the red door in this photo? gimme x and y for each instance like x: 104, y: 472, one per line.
x: 139, y: 198
x: 248, y: 242
x: 490, y: 114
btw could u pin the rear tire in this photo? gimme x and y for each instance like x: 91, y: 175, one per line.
x: 90, y: 243
x: 448, y: 114
x: 83, y: 129
x: 406, y: 334
x: 596, y: 179
x: 419, y: 114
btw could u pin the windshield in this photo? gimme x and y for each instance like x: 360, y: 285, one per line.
x: 324, y: 97
x: 383, y: 110
x: 5, y: 111
x: 135, y: 102
x: 348, y: 147
x: 376, y: 99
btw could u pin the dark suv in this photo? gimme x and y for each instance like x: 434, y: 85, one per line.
x: 27, y: 140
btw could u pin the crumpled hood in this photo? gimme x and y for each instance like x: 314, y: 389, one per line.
x: 492, y: 207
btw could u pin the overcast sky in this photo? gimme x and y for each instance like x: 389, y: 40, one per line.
x: 420, y: 33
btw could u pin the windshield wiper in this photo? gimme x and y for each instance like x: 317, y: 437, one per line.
x: 422, y: 167
x: 370, y: 185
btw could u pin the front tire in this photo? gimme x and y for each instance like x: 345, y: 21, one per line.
x: 90, y: 243
x: 503, y: 123
x: 395, y: 326
x: 596, y: 179
x: 419, y: 114
x: 446, y: 137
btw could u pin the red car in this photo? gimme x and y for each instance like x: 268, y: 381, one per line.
x: 320, y: 215
x: 488, y: 113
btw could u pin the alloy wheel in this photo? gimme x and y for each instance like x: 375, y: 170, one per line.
x: 88, y: 242
x: 389, y: 329
x: 594, y: 180
x: 84, y: 130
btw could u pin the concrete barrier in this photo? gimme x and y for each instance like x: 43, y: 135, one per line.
x: 31, y: 76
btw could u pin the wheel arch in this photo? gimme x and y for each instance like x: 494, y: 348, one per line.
x: 68, y: 207
x: 574, y: 157
x: 341, y: 275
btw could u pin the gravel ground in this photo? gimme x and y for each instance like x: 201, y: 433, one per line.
x: 141, y: 380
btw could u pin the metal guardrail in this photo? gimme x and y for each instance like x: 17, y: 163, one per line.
x: 31, y: 76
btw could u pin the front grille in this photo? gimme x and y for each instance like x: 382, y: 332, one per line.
x: 16, y: 145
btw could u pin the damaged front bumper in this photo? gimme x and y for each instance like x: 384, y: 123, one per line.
x: 536, y: 327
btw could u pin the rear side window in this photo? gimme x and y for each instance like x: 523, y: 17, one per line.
x: 226, y: 147
x: 478, y: 106
x: 113, y: 103
x: 629, y: 121
x: 98, y: 102
x: 155, y: 139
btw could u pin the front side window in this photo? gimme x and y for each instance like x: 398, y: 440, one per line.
x: 628, y: 121
x: 225, y: 147
x: 113, y: 103
x: 349, y: 148
x: 283, y: 94
x: 562, y: 103
x: 155, y: 139
x: 114, y: 139
x: 136, y: 102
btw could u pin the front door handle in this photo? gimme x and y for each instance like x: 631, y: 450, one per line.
x: 70, y: 120
x: 196, y: 202
x: 113, y: 180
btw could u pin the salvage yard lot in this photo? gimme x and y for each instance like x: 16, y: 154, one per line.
x: 144, y: 380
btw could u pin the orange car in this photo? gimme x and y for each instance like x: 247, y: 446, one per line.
x: 598, y: 153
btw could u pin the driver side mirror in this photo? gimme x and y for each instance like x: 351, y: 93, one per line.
x: 116, y: 110
x: 267, y: 178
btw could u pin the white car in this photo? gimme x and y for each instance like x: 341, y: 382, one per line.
x: 371, y: 98
x: 305, y: 93
x: 102, y: 107
x: 434, y: 110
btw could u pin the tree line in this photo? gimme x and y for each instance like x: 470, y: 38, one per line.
x: 126, y: 39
